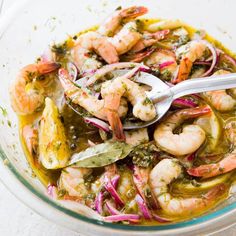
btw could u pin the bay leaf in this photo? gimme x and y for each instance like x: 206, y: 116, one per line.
x: 101, y: 155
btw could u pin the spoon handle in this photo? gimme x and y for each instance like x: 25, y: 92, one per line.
x: 198, y: 85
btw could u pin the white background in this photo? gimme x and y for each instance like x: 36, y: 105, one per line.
x: 18, y: 220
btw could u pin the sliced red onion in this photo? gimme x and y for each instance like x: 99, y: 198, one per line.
x: 88, y: 73
x: 110, y: 188
x: 108, y: 68
x: 165, y: 64
x: 97, y: 123
x: 230, y: 59
x: 160, y: 219
x: 204, y: 63
x: 115, y: 181
x: 214, y: 57
x: 143, y: 207
x: 184, y: 102
x: 145, y: 69
x: 52, y: 191
x: 195, y: 95
x: 98, y: 202
x: 112, y: 210
x: 191, y: 157
x: 122, y: 217
x: 73, y: 70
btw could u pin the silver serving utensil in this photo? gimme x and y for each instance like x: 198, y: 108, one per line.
x: 163, y: 95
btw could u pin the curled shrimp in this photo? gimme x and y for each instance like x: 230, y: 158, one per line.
x: 122, y: 86
x: 188, y: 54
x: 163, y: 174
x: 227, y: 164
x: 92, y: 41
x: 119, y: 17
x: 26, y: 97
x: 72, y: 181
x: 189, y: 140
x: 220, y: 99
x: 85, y: 99
x: 126, y: 38
x: 106, y: 41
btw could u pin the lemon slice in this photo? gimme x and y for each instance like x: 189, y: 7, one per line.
x: 198, y: 186
x: 211, y: 124
x: 54, y: 151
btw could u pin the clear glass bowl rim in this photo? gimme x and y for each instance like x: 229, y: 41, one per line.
x: 208, y: 219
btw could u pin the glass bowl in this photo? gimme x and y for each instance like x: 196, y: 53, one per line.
x: 25, y: 31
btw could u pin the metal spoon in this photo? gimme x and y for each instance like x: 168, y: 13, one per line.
x: 162, y: 95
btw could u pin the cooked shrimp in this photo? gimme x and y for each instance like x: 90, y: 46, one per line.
x: 89, y: 42
x: 189, y: 140
x: 163, y: 174
x: 26, y: 97
x: 85, y: 99
x: 30, y: 134
x: 72, y: 181
x: 126, y: 38
x: 117, y: 19
x: 228, y: 163
x: 126, y: 187
x: 142, y: 50
x: 108, y: 47
x: 112, y: 91
x: 141, y: 180
x: 165, y: 61
x: 188, y: 54
x: 220, y: 99
x: 148, y: 39
x: 136, y: 137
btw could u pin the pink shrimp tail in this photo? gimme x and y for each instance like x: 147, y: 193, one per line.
x: 196, y: 112
x: 133, y: 12
x: 184, y: 70
x: 200, y: 171
x: 112, y: 103
x: 227, y: 164
x: 116, y: 125
x: 215, y: 192
x: 138, y: 56
x: 47, y: 67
